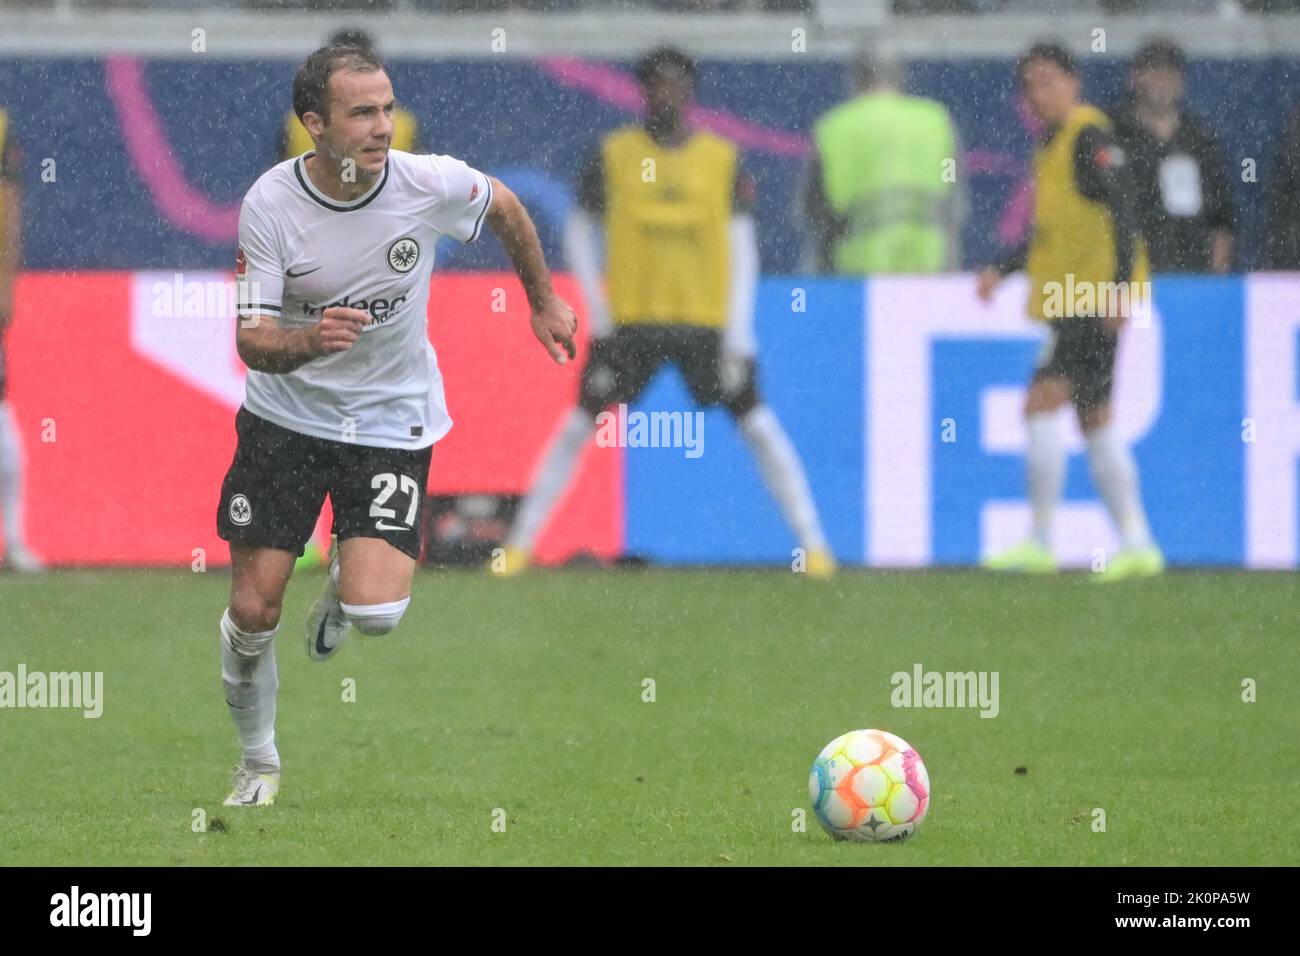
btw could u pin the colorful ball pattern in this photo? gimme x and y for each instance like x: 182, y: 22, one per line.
x: 869, y: 786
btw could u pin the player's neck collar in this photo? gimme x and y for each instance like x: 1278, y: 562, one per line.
x: 682, y: 135
x: 300, y: 170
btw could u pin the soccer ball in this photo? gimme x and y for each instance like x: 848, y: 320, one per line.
x: 869, y: 786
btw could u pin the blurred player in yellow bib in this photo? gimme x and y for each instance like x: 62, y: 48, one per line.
x: 1088, y: 272
x: 17, y: 556
x: 681, y: 265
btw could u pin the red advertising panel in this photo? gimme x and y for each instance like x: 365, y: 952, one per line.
x: 124, y: 388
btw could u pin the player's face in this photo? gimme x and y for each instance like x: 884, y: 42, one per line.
x: 1159, y: 87
x: 667, y: 91
x: 361, y: 119
x: 1050, y: 91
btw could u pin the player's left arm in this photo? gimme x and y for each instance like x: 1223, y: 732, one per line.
x: 739, y: 344
x: 1219, y: 212
x: 954, y: 207
x: 553, y: 321
x: 1102, y: 175
x: 11, y: 231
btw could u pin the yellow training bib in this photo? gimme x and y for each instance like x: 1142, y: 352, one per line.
x: 667, y: 219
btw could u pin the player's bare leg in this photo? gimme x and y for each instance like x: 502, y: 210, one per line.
x: 1115, y: 474
x: 17, y: 555
x: 548, y: 484
x: 369, y: 588
x: 374, y: 584
x: 1045, y: 455
x: 248, y: 671
x: 784, y: 475
x: 259, y: 577
x: 1045, y: 467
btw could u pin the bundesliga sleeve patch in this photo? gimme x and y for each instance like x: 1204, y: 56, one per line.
x: 241, y: 263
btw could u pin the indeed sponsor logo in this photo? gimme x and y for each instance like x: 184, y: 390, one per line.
x: 380, y: 309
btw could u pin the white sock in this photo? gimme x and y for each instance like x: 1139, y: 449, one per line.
x: 1045, y: 462
x: 11, y: 480
x: 783, y: 474
x: 376, y: 620
x: 551, y: 479
x: 1115, y: 474
x: 249, y: 678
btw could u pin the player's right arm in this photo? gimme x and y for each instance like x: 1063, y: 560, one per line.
x: 265, y: 347
x: 11, y: 229
x: 824, y: 225
x: 261, y: 342
x: 582, y: 244
x: 991, y: 276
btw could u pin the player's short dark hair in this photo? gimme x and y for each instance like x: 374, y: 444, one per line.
x: 649, y: 65
x: 311, y: 82
x: 1160, y: 51
x: 1052, y: 52
x: 352, y: 36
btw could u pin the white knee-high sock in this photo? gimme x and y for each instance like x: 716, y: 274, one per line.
x: 551, y: 478
x: 1115, y: 473
x: 376, y: 620
x: 783, y: 473
x: 1045, y: 463
x: 11, y: 480
x: 249, y: 678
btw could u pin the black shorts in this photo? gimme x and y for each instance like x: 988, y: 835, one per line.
x: 621, y: 365
x: 274, y: 490
x: 1082, y: 352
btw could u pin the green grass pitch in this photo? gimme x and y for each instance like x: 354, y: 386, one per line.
x: 525, y: 695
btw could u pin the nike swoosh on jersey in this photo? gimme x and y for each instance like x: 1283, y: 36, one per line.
x: 391, y: 527
x: 299, y: 275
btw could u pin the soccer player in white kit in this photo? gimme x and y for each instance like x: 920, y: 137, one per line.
x: 343, y: 396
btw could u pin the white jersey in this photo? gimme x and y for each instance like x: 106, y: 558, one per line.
x: 301, y: 252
